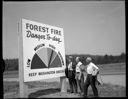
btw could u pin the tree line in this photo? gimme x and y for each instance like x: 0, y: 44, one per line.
x: 12, y: 64
x: 101, y: 59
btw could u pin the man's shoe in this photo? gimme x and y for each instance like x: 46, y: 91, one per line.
x: 84, y: 96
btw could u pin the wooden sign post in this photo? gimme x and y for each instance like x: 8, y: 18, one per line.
x: 23, y: 87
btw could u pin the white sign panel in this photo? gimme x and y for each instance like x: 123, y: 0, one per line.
x: 43, y: 51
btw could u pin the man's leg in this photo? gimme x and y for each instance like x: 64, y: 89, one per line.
x: 77, y: 81
x: 75, y: 85
x: 86, y: 85
x: 70, y: 84
x: 93, y: 82
x: 82, y: 84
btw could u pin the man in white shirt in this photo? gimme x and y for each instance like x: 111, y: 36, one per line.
x: 92, y: 71
x: 79, y: 77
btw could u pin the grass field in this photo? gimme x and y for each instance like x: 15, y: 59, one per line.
x: 112, y: 68
x: 52, y: 89
x: 104, y: 69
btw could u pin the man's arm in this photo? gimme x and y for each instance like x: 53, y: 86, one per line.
x: 95, y: 66
x: 96, y: 69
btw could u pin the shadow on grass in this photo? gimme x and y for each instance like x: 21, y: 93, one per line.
x: 44, y: 92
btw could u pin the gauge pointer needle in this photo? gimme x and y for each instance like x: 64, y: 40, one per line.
x: 50, y: 59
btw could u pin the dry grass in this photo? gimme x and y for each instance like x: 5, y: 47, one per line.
x: 51, y: 89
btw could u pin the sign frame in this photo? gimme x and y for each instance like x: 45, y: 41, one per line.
x: 23, y: 87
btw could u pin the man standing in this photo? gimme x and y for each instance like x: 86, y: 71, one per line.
x: 92, y: 71
x: 79, y: 76
x: 71, y: 76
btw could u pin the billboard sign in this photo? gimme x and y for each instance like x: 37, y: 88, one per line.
x: 43, y: 51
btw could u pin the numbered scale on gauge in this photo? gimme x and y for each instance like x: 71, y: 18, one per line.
x: 45, y: 58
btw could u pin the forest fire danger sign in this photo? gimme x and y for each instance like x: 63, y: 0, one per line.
x: 43, y: 51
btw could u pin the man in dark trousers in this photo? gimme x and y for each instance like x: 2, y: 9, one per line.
x: 92, y: 71
x: 70, y: 73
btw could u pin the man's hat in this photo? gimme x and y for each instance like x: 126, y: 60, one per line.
x: 77, y: 58
x: 89, y: 59
x: 70, y: 57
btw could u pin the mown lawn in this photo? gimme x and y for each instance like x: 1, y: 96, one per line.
x: 50, y: 89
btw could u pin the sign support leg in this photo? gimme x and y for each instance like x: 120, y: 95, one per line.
x: 63, y: 84
x: 23, y: 87
x: 23, y: 90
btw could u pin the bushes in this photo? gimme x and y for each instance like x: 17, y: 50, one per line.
x: 106, y: 59
x: 12, y: 64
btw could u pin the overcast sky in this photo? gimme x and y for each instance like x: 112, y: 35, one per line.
x: 96, y: 27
